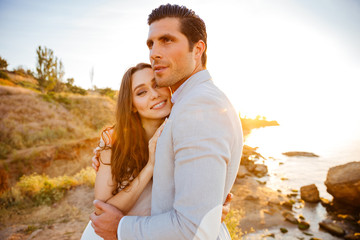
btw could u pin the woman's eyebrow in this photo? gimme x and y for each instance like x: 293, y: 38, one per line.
x: 138, y: 86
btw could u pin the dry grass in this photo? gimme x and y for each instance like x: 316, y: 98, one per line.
x: 6, y: 82
x: 46, y: 143
x: 51, y: 134
x: 23, y: 80
x: 28, y: 121
x: 94, y: 111
x: 17, y: 78
x: 65, y: 219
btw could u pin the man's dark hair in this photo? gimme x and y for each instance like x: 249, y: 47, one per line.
x: 191, y: 25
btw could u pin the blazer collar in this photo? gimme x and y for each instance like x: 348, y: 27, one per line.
x: 190, y: 83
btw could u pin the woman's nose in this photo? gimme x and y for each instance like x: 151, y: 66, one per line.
x: 154, y: 94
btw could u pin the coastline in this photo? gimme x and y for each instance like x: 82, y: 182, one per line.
x: 264, y: 218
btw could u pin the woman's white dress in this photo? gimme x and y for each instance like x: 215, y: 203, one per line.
x: 142, y: 207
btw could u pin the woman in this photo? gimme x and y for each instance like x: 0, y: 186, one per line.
x: 127, y: 158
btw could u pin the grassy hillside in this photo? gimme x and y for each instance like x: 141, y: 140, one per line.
x: 38, y: 129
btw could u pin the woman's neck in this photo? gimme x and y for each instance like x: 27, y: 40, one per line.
x: 151, y: 126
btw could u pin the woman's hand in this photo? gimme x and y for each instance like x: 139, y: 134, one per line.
x: 96, y: 159
x: 152, y: 144
x: 226, y: 206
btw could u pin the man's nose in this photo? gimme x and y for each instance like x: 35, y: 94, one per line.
x: 155, y: 52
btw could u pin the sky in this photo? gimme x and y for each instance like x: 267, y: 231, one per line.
x: 288, y: 60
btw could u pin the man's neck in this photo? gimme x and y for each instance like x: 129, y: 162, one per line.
x: 179, y: 83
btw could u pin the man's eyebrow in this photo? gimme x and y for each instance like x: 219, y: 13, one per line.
x: 167, y: 35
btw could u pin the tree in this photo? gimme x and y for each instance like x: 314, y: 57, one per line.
x: 50, y: 70
x: 60, y: 72
x: 3, y: 64
x: 70, y: 81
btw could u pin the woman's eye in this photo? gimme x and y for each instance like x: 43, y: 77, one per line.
x: 141, y: 93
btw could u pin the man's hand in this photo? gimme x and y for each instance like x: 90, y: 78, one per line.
x: 106, y: 224
x: 226, y: 206
x: 96, y: 159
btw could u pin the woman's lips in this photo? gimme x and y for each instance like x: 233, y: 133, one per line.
x: 159, y: 105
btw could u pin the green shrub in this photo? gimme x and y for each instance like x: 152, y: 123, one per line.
x: 52, y: 97
x: 30, y: 85
x: 77, y: 90
x: 38, y: 189
x: 106, y: 92
x: 47, y: 97
x: 28, y: 138
x: 63, y: 100
x: 5, y: 149
x: 20, y: 71
x: 4, y: 75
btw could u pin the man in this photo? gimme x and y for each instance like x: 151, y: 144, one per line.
x: 199, y: 150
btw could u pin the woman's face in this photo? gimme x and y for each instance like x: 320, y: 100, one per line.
x: 150, y: 101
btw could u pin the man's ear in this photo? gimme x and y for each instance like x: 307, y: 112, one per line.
x: 199, y: 49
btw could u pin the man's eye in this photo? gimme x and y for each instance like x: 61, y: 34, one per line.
x: 149, y: 44
x: 167, y: 40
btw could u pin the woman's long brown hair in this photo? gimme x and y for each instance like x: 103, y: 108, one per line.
x: 129, y: 151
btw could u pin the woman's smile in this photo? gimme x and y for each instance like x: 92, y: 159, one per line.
x: 159, y: 105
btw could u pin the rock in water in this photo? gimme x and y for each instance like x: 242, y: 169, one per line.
x: 343, y: 183
x: 260, y: 170
x: 350, y: 236
x: 242, y: 172
x: 310, y: 193
x: 302, y: 225
x: 289, y: 216
x: 332, y: 228
x: 300, y: 154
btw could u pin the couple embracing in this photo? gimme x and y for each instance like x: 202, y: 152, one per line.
x: 166, y: 167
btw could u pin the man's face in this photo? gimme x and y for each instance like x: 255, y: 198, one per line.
x: 170, y: 57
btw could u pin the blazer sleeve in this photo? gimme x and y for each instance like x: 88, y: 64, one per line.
x: 202, y: 147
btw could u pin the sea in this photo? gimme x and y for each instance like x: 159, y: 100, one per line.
x: 335, y: 142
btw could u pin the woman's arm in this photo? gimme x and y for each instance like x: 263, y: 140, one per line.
x: 125, y: 199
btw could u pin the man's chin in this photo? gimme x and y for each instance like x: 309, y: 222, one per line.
x: 161, y: 82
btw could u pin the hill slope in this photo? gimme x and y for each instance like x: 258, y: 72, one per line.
x: 36, y: 129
